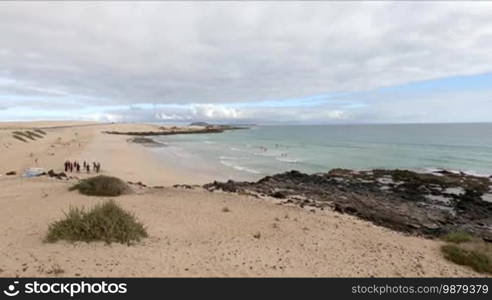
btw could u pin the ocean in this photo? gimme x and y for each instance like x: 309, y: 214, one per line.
x: 265, y: 150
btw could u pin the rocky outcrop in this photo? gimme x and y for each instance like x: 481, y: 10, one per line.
x: 147, y: 142
x: 199, y: 124
x: 178, y: 130
x: 60, y: 175
x: 153, y: 133
x: 417, y: 203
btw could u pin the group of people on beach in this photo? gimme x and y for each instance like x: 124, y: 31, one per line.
x: 76, y: 167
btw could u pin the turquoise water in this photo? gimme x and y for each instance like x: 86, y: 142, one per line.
x: 266, y: 150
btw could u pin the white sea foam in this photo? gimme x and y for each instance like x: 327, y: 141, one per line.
x: 288, y: 159
x: 436, y: 171
x: 268, y: 153
x: 178, y: 151
x: 229, y: 158
x: 477, y: 174
x: 238, y: 167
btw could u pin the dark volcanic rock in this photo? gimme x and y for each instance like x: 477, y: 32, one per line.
x: 176, y: 130
x: 11, y: 173
x: 199, y: 124
x: 147, y: 142
x: 430, y: 204
x: 279, y: 195
x: 60, y: 175
x: 173, y: 132
x: 184, y: 186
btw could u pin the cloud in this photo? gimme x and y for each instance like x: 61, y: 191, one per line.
x: 104, y: 117
x: 223, y: 114
x: 211, y: 111
x: 212, y: 55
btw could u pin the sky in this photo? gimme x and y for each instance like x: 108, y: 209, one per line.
x: 247, y: 62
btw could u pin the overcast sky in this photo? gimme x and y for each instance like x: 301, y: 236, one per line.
x: 261, y: 62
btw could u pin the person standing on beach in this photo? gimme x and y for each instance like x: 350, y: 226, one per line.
x: 78, y: 168
x: 88, y: 168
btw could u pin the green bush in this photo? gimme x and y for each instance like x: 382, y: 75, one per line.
x: 106, y: 222
x: 457, y: 237
x: 477, y: 260
x: 101, y: 186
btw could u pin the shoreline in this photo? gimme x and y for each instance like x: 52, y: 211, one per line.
x: 190, y: 234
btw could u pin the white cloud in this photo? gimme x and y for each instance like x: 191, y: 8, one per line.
x: 225, y: 114
x: 104, y: 117
x: 213, y: 53
x: 211, y: 111
x: 169, y: 117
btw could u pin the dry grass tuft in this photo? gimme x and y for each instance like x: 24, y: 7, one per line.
x: 106, y: 222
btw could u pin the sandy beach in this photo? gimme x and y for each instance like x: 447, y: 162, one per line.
x: 190, y: 234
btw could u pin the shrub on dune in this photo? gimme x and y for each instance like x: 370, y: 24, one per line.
x: 101, y: 186
x: 106, y: 222
x: 478, y: 260
x: 466, y: 250
x: 457, y: 237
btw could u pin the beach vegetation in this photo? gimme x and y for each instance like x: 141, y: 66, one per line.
x: 479, y: 259
x: 457, y: 237
x: 101, y: 186
x: 106, y: 222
